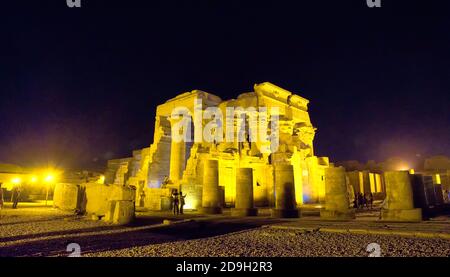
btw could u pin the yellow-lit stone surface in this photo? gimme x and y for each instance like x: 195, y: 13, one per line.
x: 182, y: 163
x: 121, y: 193
x: 66, y: 197
x: 96, y: 199
x: 211, y: 200
x: 123, y: 212
x: 285, y: 204
x: 399, y: 198
x: 336, y: 196
x: 207, y: 170
x: 244, y: 193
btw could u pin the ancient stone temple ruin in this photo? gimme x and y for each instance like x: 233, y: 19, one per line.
x: 247, y: 153
x: 237, y: 172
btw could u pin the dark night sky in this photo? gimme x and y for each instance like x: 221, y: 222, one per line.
x: 79, y: 86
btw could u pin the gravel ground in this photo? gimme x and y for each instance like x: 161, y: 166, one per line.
x: 40, y: 231
x: 27, y: 222
x: 266, y: 242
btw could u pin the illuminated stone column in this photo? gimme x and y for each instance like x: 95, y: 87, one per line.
x: 211, y: 203
x: 177, y: 157
x: 366, y: 182
x: 438, y: 191
x: 336, y: 196
x: 285, y: 204
x: 244, y: 205
x: 399, y: 198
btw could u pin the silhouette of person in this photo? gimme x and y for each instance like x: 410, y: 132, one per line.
x: 364, y: 198
x: 355, y: 201
x: 182, y: 201
x: 360, y: 200
x: 175, y: 201
x: 15, y: 196
x: 142, y: 199
x: 370, y: 200
x: 166, y: 181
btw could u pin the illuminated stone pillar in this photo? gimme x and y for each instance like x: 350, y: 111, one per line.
x: 438, y: 191
x: 399, y: 198
x: 336, y: 196
x: 177, y: 158
x: 244, y: 205
x: 211, y: 203
x: 285, y: 204
x: 366, y: 182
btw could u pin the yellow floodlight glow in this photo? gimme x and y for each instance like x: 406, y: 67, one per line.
x: 101, y: 180
x: 49, y: 178
x: 16, y: 180
x: 411, y: 171
x: 403, y: 167
x: 34, y: 179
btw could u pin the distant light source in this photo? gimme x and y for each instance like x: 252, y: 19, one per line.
x: 438, y: 179
x: 33, y: 179
x: 411, y: 171
x: 403, y: 167
x: 101, y: 180
x: 49, y: 178
x: 16, y: 180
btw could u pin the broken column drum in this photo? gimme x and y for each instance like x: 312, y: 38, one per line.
x: 244, y: 204
x: 336, y: 196
x: 285, y: 203
x: 211, y: 203
x: 399, y: 198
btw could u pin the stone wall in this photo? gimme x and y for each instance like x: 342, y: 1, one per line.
x: 157, y: 199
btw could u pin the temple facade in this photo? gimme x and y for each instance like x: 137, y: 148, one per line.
x: 284, y: 136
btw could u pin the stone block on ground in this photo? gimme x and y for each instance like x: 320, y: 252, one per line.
x: 66, y: 197
x: 123, y: 212
x: 399, y: 197
x: 97, y: 198
x: 110, y: 211
x: 336, y: 196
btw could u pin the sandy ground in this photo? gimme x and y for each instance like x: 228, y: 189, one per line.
x: 34, y: 230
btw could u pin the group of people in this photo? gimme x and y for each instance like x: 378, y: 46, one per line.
x: 15, y: 195
x: 178, y: 202
x: 363, y: 200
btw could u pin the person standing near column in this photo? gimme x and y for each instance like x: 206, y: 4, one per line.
x: 15, y: 196
x: 175, y: 202
x: 182, y: 201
